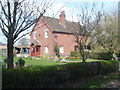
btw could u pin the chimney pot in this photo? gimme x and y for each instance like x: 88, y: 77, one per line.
x: 62, y: 18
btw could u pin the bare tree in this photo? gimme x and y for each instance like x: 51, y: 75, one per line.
x: 16, y: 17
x: 24, y: 41
x: 107, y: 33
x: 89, y: 18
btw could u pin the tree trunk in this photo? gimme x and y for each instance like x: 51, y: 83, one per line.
x: 10, y: 56
x: 83, y: 58
x: 114, y: 56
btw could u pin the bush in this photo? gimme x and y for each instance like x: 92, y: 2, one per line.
x: 51, y: 75
x: 20, y: 62
x: 101, y: 55
x: 5, y: 60
x: 75, y: 54
x: 105, y: 67
x: 56, y: 49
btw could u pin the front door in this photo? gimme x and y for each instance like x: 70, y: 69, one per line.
x: 37, y: 49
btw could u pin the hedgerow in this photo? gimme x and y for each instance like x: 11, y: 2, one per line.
x: 51, y: 75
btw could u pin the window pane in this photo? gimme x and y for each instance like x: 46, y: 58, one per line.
x: 76, y: 48
x: 46, y: 34
x: 61, y: 49
x: 46, y: 49
x: 34, y: 35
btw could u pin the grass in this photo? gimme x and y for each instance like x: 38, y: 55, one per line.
x: 88, y: 60
x: 98, y: 82
x: 90, y: 82
x: 43, y: 62
x: 37, y: 62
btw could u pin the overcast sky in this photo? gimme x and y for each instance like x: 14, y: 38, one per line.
x: 71, y: 8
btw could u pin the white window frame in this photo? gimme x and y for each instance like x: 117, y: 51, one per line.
x: 34, y: 34
x: 46, y: 49
x: 46, y: 33
x: 61, y: 49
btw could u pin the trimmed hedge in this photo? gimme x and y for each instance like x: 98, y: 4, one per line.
x: 101, y: 55
x: 75, y: 54
x: 42, y: 77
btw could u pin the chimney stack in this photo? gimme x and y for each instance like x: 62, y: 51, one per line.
x: 62, y: 18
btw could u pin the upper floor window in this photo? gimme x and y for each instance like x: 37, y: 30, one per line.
x: 61, y: 49
x: 46, y: 33
x: 34, y: 35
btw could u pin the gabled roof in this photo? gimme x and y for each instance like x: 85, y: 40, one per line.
x: 55, y: 25
x: 36, y: 42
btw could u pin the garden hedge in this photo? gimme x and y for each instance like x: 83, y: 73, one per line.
x: 101, y: 55
x: 40, y: 77
x: 75, y: 54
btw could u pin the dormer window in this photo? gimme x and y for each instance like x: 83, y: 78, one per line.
x: 46, y: 33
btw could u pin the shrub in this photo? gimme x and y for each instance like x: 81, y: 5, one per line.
x: 51, y: 75
x: 20, y: 62
x: 79, y: 70
x: 101, y: 55
x: 105, y: 67
x: 4, y: 63
x: 5, y: 60
x: 56, y: 49
x: 75, y: 54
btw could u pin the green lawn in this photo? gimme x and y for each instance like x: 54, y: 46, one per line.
x: 37, y: 62
x: 88, y: 60
x: 44, y: 62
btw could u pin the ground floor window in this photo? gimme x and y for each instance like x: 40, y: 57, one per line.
x: 76, y: 48
x: 61, y: 49
x: 46, y: 49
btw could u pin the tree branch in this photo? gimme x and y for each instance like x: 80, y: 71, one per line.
x: 5, y: 14
x: 21, y: 37
x: 9, y: 14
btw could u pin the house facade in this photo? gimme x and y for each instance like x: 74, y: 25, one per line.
x: 48, y: 31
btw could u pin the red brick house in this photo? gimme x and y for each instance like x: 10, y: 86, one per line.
x: 48, y: 30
